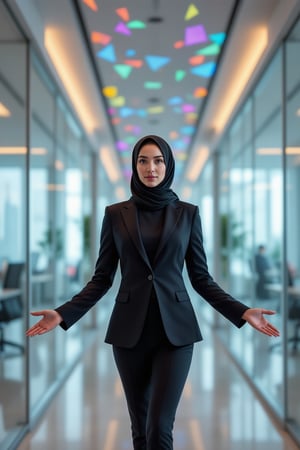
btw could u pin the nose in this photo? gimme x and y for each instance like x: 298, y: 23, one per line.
x: 151, y: 166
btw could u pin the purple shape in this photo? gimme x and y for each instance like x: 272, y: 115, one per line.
x: 122, y: 29
x: 188, y: 108
x: 195, y: 35
x: 111, y: 111
x: 121, y: 146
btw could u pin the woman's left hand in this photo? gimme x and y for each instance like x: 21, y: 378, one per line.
x: 255, y: 318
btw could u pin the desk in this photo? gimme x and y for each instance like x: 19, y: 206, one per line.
x: 11, y: 308
x: 293, y: 291
x: 9, y: 293
x: 39, y: 283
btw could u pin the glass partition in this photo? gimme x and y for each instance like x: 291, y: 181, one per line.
x: 268, y: 226
x: 13, y: 228
x: 292, y: 285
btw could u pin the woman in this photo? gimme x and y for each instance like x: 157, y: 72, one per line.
x: 153, y: 326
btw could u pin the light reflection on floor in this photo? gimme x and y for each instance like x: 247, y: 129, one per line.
x: 218, y: 410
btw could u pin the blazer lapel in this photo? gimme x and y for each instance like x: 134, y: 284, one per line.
x: 129, y: 214
x: 173, y: 212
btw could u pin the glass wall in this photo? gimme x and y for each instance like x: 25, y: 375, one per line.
x: 13, y: 227
x: 46, y: 212
x: 259, y: 214
x: 292, y: 192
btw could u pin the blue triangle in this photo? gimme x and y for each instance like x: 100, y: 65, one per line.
x: 204, y: 70
x: 156, y: 62
x: 108, y: 53
x: 218, y: 38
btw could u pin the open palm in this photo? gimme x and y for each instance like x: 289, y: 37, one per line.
x: 255, y: 318
x: 50, y: 320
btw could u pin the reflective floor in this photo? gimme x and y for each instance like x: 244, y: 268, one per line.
x: 218, y: 410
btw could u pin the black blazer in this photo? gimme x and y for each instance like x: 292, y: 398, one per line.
x: 181, y: 242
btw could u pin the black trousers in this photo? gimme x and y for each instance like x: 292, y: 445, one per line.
x: 153, y: 374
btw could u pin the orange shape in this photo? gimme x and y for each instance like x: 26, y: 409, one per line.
x: 196, y: 60
x: 91, y: 4
x: 100, y: 38
x: 179, y: 44
x: 123, y: 13
x: 200, y: 92
x: 115, y: 120
x: 137, y: 63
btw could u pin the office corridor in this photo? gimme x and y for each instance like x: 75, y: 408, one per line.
x: 218, y: 410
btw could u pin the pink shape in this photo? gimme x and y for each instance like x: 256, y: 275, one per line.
x: 121, y: 146
x: 188, y: 108
x: 111, y: 111
x: 195, y: 35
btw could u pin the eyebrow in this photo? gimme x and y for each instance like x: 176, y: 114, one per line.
x: 147, y: 157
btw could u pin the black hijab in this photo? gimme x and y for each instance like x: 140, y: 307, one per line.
x: 159, y: 196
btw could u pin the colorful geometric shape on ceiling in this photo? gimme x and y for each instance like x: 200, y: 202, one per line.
x: 180, y: 75
x: 156, y: 62
x: 178, y: 44
x: 91, y: 4
x: 191, y: 12
x: 175, y: 101
x: 136, y: 25
x: 110, y: 91
x: 205, y: 70
x: 122, y: 29
x: 123, y: 70
x: 121, y: 145
x: 152, y: 85
x: 123, y: 13
x: 218, y: 38
x: 137, y: 63
x: 118, y: 102
x: 126, y: 112
x: 156, y: 110
x: 210, y: 50
x: 191, y: 117
x: 189, y: 130
x: 130, y: 53
x: 187, y: 108
x: 196, y: 60
x: 195, y: 35
x: 200, y: 92
x: 100, y: 38
x: 108, y: 53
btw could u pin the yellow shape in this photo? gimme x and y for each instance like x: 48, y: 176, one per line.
x: 155, y: 110
x: 191, y: 12
x: 110, y: 91
x: 117, y: 102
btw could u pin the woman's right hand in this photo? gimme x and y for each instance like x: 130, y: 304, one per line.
x: 50, y: 320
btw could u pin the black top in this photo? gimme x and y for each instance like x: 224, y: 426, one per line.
x: 151, y: 226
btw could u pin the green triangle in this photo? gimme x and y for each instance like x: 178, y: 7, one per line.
x: 123, y: 70
x: 213, y: 49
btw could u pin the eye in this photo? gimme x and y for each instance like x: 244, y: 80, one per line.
x: 160, y: 161
x: 141, y: 161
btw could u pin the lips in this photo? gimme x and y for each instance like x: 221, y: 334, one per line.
x: 150, y: 178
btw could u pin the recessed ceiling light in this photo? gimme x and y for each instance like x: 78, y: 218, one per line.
x: 153, y: 121
x: 153, y: 100
x: 155, y: 19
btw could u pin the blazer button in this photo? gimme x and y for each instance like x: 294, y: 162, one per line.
x: 150, y: 277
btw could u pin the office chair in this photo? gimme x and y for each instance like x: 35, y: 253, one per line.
x: 11, y: 307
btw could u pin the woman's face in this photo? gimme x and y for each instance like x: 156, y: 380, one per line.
x: 150, y: 165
